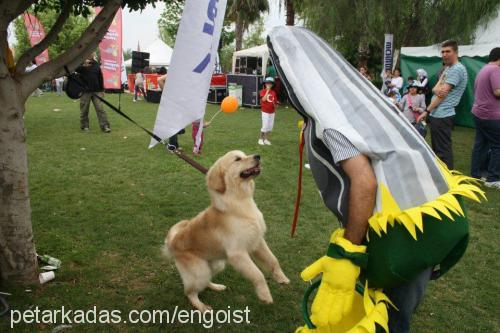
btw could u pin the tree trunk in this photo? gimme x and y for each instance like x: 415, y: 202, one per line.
x: 239, y: 31
x: 17, y: 250
x: 290, y: 13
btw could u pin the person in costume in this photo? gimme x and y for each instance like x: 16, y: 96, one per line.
x: 400, y: 208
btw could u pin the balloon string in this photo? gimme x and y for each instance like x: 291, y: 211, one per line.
x: 214, y: 115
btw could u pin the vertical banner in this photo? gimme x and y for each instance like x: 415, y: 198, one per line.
x: 111, y: 51
x: 184, y: 97
x: 388, y: 51
x: 36, y: 33
x: 124, y: 71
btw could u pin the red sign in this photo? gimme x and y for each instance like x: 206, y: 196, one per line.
x: 35, y: 34
x: 111, y: 52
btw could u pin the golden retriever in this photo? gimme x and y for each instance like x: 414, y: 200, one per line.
x: 230, y: 230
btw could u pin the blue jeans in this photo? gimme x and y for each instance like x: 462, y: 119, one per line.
x: 487, y: 141
x: 406, y: 298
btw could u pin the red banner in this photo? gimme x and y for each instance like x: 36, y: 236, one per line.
x: 35, y: 34
x: 111, y: 52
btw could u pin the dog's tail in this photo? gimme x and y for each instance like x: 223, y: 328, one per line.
x: 166, y: 249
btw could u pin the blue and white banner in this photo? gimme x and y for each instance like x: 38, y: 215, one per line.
x: 186, y: 89
x: 388, y: 51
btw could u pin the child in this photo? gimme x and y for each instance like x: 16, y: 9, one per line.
x: 268, y: 103
x: 139, y: 85
x: 198, y: 135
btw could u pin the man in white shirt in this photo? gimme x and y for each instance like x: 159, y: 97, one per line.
x: 397, y: 80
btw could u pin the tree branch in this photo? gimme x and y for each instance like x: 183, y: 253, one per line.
x: 34, y: 51
x: 12, y: 9
x: 74, y: 56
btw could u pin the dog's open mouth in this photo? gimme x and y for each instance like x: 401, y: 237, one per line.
x: 254, y: 171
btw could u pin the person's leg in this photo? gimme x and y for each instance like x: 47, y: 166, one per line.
x: 59, y: 88
x: 173, y: 141
x: 136, y: 89
x: 84, y: 111
x: 480, y: 151
x: 441, y: 139
x: 202, y: 137
x: 263, y: 129
x: 101, y: 114
x: 491, y: 130
x: 406, y: 298
x: 194, y: 133
x: 270, y: 125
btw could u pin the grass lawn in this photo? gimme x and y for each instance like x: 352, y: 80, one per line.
x: 102, y: 203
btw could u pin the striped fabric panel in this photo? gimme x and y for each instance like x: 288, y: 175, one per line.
x: 341, y: 148
x: 337, y: 97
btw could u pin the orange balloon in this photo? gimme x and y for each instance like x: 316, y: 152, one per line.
x: 229, y: 104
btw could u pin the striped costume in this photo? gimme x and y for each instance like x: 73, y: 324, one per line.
x: 418, y: 198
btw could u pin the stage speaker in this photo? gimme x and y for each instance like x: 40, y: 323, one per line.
x: 252, y: 84
x: 140, y: 60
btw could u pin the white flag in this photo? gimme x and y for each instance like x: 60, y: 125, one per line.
x: 185, y: 94
x: 388, y: 51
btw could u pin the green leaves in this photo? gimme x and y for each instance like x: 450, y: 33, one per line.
x: 352, y: 25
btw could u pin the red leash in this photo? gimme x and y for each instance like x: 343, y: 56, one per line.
x: 299, y: 185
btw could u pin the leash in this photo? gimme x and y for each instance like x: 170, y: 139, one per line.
x: 299, y: 185
x: 172, y: 149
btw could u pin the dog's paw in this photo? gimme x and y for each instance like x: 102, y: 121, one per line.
x: 216, y: 286
x: 267, y: 299
x: 204, y: 308
x: 281, y: 278
x: 265, y: 295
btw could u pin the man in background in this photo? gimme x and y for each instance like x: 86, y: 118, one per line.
x: 486, y: 113
x: 59, y: 85
x: 91, y: 74
x: 38, y: 92
x: 447, y: 94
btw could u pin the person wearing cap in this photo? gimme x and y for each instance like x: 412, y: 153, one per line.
x: 268, y: 101
x: 413, y: 105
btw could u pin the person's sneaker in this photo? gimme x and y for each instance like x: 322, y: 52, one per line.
x: 134, y: 100
x: 106, y: 130
x: 493, y: 184
x: 85, y: 129
x: 260, y: 142
x: 267, y: 142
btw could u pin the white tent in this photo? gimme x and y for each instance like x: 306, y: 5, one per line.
x: 260, y: 51
x: 476, y: 50
x: 159, y: 54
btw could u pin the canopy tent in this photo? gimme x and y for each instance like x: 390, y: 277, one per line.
x: 473, y: 57
x: 159, y: 54
x: 260, y: 51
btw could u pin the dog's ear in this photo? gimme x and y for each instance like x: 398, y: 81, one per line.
x: 215, y: 179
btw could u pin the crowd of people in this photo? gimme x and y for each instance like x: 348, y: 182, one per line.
x: 417, y: 102
x: 420, y: 105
